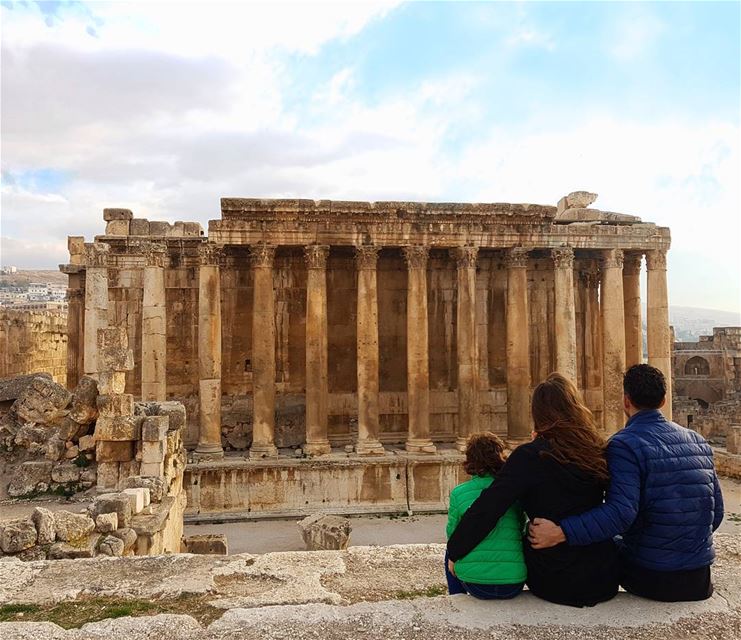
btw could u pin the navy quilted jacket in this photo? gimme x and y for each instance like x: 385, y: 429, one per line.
x: 664, y: 497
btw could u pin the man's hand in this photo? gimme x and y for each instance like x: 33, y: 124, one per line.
x: 451, y: 566
x: 543, y: 534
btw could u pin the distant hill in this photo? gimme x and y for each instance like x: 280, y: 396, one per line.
x: 691, y: 322
x: 25, y: 277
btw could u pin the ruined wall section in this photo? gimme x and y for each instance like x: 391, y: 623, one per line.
x: 32, y: 342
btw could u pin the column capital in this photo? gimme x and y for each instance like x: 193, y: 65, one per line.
x: 366, y: 256
x: 656, y: 259
x: 591, y: 277
x: 96, y: 254
x: 612, y: 259
x: 465, y: 257
x: 563, y: 258
x: 155, y: 254
x: 416, y: 256
x: 262, y: 255
x: 209, y: 254
x: 632, y: 263
x: 316, y: 256
x: 517, y: 258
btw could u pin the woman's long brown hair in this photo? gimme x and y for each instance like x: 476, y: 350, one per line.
x: 563, y: 420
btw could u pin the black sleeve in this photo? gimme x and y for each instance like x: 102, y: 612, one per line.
x: 482, y: 516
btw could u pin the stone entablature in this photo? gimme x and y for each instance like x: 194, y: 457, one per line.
x: 310, y: 324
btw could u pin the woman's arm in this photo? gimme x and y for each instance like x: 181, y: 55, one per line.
x: 482, y: 516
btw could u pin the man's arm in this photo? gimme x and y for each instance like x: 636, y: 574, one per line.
x: 482, y: 516
x: 719, y: 511
x: 606, y: 521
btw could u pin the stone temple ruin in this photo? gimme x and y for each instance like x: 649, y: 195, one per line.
x: 341, y: 352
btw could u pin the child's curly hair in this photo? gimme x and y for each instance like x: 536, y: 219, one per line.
x: 484, y: 454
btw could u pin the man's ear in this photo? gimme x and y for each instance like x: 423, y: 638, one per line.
x: 627, y: 404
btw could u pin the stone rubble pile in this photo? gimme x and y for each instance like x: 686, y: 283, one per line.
x: 322, y: 531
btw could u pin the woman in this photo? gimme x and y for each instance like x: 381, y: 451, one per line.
x: 495, y: 569
x: 562, y: 472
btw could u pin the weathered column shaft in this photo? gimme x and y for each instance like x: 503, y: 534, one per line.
x: 468, y: 380
x: 263, y: 352
x: 154, y: 326
x: 613, y: 339
x: 657, y: 321
x: 209, y: 352
x: 316, y: 350
x: 418, y: 367
x: 367, y: 352
x: 518, y: 347
x: 96, y: 302
x: 565, y: 315
x: 75, y: 330
x: 593, y: 342
x: 632, y: 303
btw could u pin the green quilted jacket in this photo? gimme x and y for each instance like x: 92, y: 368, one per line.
x: 498, y: 559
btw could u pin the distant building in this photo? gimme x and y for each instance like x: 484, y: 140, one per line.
x: 6, y: 271
x: 709, y: 370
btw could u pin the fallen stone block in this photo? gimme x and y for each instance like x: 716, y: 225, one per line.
x: 31, y: 434
x: 154, y: 428
x: 71, y: 452
x: 70, y: 527
x: 81, y: 548
x: 84, y: 407
x: 55, y: 448
x: 207, y: 544
x: 67, y: 428
x: 127, y: 536
x: 115, y: 451
x: 139, y: 498
x: 65, y: 473
x: 110, y: 214
x: 153, y: 452
x: 157, y: 486
x: 13, y: 388
x: 42, y: 401
x: 112, y: 546
x: 32, y: 554
x: 118, y: 503
x: 109, y: 428
x: 106, y: 522
x: 115, y: 404
x: 112, y: 382
x: 29, y: 478
x: 86, y: 443
x: 322, y: 531
x: 43, y: 520
x: 17, y: 535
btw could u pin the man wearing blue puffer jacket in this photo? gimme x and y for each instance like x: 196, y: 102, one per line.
x: 664, y: 500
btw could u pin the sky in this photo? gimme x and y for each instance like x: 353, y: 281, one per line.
x: 165, y: 107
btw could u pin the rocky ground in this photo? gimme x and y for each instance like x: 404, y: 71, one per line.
x: 364, y: 592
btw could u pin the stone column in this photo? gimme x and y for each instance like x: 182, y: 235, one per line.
x: 366, y: 260
x: 263, y: 352
x: 418, y: 365
x: 316, y: 350
x: 468, y: 379
x: 565, y: 315
x: 518, y: 347
x: 96, y: 301
x: 613, y: 339
x: 632, y: 303
x: 75, y: 329
x: 658, y: 333
x: 209, y: 351
x: 154, y: 325
x: 592, y: 340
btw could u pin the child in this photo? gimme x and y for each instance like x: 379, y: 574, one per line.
x: 495, y: 569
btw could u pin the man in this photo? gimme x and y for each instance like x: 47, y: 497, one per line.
x: 664, y: 498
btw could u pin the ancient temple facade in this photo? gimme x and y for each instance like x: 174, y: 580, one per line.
x: 302, y: 327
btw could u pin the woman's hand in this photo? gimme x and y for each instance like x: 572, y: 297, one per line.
x: 451, y: 566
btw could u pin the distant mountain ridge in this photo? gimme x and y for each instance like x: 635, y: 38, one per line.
x: 691, y: 322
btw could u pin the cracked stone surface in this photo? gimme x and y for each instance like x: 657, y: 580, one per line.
x: 364, y: 592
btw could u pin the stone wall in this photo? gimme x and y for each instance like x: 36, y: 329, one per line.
x: 33, y: 341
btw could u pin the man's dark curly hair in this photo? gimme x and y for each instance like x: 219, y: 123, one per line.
x: 645, y: 386
x: 484, y: 454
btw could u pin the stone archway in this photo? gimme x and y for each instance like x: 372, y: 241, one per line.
x: 697, y: 366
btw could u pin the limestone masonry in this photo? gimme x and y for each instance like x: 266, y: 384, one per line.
x: 384, y: 331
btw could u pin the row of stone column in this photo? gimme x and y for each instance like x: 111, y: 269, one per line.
x: 613, y: 338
